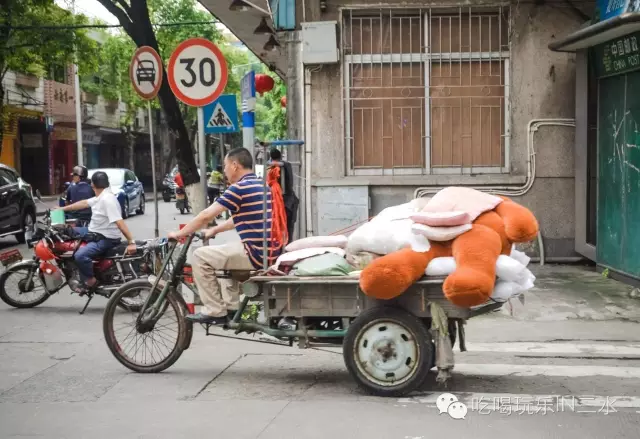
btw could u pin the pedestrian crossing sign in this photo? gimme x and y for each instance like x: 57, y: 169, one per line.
x: 221, y: 116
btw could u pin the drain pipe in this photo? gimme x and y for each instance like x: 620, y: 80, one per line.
x: 513, y: 191
x: 307, y: 151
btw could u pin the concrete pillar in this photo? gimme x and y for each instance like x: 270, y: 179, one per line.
x: 295, y: 122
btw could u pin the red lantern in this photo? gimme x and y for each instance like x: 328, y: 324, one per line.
x: 283, y: 102
x: 264, y: 83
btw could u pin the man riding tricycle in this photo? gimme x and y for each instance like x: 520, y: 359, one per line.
x: 388, y: 346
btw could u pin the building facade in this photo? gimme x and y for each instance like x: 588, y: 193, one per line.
x: 424, y: 95
x: 607, y: 54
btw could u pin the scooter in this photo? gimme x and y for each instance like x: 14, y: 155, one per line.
x: 182, y: 201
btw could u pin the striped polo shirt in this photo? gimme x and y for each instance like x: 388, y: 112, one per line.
x: 244, y: 200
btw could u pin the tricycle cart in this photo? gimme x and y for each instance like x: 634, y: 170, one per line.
x: 389, y: 347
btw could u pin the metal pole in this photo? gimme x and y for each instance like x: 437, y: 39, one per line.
x: 76, y: 80
x: 248, y: 114
x: 221, y: 149
x: 202, y: 151
x: 265, y: 253
x: 153, y: 171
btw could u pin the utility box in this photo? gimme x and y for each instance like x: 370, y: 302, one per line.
x: 319, y: 42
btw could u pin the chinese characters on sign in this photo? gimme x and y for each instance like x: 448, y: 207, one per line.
x: 619, y: 56
x: 542, y: 405
x: 60, y: 101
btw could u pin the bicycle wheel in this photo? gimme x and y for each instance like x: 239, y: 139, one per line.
x: 152, y: 351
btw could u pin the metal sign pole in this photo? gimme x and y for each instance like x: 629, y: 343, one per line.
x: 248, y: 98
x: 265, y: 252
x: 153, y: 171
x: 202, y: 151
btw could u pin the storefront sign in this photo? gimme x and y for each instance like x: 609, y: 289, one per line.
x: 618, y: 56
x: 60, y: 101
x: 64, y: 133
x: 91, y: 136
x: 32, y: 140
x: 606, y: 9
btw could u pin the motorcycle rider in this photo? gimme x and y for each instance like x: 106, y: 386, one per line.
x: 106, y: 227
x: 80, y: 189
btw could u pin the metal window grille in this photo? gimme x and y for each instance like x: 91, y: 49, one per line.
x: 426, y: 91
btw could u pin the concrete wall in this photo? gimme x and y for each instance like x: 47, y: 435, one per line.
x: 25, y: 97
x: 100, y: 115
x: 542, y: 86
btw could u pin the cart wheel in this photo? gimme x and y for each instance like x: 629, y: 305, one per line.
x: 388, y: 351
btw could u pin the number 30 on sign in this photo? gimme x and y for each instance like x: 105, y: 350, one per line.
x: 197, y: 72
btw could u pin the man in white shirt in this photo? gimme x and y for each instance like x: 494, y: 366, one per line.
x: 106, y: 225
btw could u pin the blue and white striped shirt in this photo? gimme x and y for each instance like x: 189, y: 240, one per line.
x: 244, y: 200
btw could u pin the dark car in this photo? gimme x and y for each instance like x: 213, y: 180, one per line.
x: 146, y: 71
x: 17, y: 207
x: 126, y: 186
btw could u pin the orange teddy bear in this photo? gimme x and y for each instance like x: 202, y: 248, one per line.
x: 475, y: 252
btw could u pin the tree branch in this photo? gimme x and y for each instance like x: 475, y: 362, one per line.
x: 124, y: 6
x: 123, y: 18
x: 20, y: 46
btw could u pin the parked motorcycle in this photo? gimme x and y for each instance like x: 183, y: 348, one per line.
x: 27, y: 283
x: 182, y: 201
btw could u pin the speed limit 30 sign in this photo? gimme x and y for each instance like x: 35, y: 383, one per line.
x: 197, y: 72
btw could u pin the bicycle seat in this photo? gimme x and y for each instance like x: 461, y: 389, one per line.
x: 119, y: 250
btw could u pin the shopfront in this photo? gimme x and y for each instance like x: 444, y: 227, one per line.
x: 91, y: 139
x: 11, y: 145
x: 607, y: 155
x: 64, y: 155
x: 60, y: 107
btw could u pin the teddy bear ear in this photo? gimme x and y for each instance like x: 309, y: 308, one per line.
x: 520, y: 224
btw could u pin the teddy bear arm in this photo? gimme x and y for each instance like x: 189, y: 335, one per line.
x: 391, y: 275
x: 476, y: 253
x: 520, y: 225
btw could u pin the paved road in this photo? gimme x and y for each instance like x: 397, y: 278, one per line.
x: 58, y: 380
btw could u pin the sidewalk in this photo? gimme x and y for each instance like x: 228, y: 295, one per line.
x: 568, y: 302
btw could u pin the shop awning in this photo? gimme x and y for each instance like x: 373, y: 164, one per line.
x: 598, y: 33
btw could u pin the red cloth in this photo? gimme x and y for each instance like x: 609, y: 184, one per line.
x: 178, y: 180
x: 279, y: 234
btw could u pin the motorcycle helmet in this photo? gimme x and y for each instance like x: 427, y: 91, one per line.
x: 43, y: 252
x: 80, y: 171
x: 100, y: 180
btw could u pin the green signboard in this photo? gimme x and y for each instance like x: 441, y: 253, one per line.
x: 617, y: 56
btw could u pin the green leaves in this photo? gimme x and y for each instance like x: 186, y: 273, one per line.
x: 37, y: 51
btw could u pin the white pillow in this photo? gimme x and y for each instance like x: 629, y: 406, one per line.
x: 317, y: 242
x: 290, y: 258
x: 442, y: 266
x: 441, y: 219
x: 509, y: 269
x: 520, y: 256
x: 440, y: 233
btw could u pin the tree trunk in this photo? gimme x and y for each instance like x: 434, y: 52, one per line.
x: 131, y: 142
x: 2, y: 115
x: 141, y: 32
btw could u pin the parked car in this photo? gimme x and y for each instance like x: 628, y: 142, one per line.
x: 125, y: 185
x: 17, y: 206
